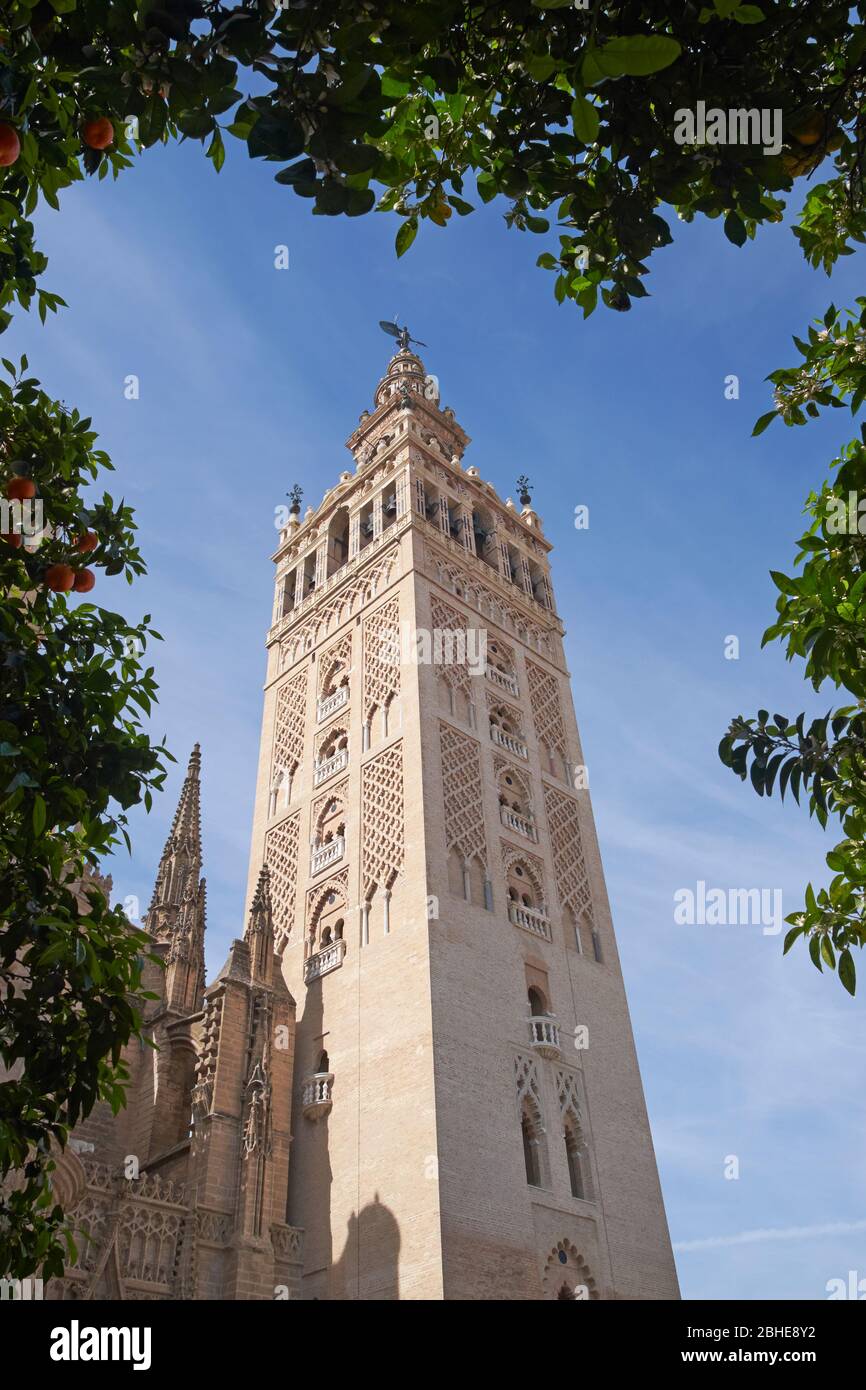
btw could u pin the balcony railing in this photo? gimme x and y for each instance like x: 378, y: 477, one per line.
x: 330, y: 703
x: 327, y: 854
x: 530, y: 919
x: 330, y: 766
x: 324, y: 961
x: 508, y: 742
x: 544, y: 1036
x: 521, y: 824
x: 316, y: 1099
x: 503, y: 679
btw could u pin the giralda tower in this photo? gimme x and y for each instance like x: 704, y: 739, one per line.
x: 468, y: 1119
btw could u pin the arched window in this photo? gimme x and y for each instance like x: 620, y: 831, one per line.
x: 520, y: 890
x: 534, y: 1152
x: 537, y: 1002
x: 577, y: 1160
x: 324, y: 1064
x: 530, y: 1152
x: 338, y: 540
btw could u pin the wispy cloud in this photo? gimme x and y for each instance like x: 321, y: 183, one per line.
x: 758, y: 1237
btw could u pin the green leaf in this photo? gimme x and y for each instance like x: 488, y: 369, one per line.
x: 735, y: 230
x: 275, y: 136
x: 302, y: 171
x: 541, y: 66
x: 791, y: 937
x: 39, y: 815
x: 406, y: 235
x: 847, y: 972
x: 637, y: 55
x: 764, y: 420
x: 585, y: 120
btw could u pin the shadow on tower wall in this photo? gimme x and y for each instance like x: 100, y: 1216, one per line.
x: 310, y: 1171
x: 369, y: 1267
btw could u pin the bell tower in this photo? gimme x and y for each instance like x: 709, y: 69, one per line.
x: 468, y: 1119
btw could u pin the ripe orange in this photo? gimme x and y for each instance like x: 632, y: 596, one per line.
x: 86, y: 542
x: 98, y: 134
x: 812, y: 130
x: 59, y: 578
x: 84, y: 581
x: 20, y: 489
x: 12, y: 538
x: 10, y: 145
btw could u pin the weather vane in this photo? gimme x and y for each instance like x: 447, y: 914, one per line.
x: 401, y: 334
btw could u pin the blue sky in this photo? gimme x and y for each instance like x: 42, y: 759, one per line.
x: 252, y: 379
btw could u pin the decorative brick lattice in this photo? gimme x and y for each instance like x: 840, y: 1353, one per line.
x: 381, y: 656
x: 546, y: 709
x: 447, y: 620
x: 526, y: 1081
x: 332, y: 611
x: 568, y: 1095
x: 572, y: 880
x: 289, y: 725
x: 461, y: 787
x: 281, y: 857
x: 382, y: 851
x: 337, y: 656
x: 478, y: 595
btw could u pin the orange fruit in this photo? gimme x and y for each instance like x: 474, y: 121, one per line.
x: 98, y: 134
x: 10, y: 145
x: 87, y: 542
x: 59, y: 578
x: 812, y: 130
x: 11, y: 538
x: 20, y: 489
x: 84, y: 581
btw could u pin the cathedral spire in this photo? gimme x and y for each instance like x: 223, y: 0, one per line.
x: 181, y: 860
x: 259, y: 934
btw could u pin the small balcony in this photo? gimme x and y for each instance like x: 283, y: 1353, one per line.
x: 331, y: 765
x: 544, y: 1036
x: 521, y: 825
x: 324, y: 961
x: 530, y: 919
x: 331, y: 703
x: 508, y: 742
x: 503, y: 679
x: 327, y: 854
x: 316, y: 1098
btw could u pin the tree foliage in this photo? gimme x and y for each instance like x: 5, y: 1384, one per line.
x: 566, y: 113
x: 566, y: 116
x: 821, y: 619
x: 73, y: 759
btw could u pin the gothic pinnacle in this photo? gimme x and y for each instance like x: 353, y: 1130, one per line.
x: 181, y: 858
